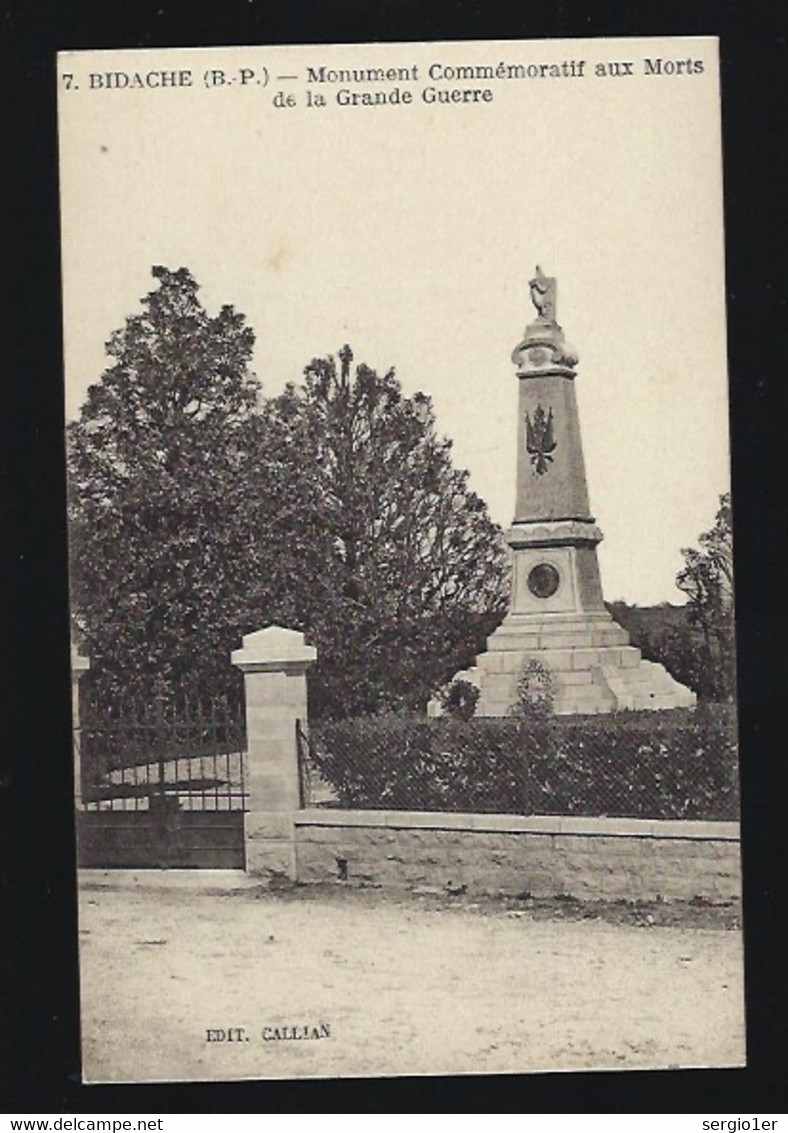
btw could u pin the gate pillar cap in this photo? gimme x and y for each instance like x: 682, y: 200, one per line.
x: 274, y: 649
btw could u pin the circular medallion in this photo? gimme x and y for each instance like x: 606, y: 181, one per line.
x: 543, y: 580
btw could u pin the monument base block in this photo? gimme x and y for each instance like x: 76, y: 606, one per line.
x: 593, y: 666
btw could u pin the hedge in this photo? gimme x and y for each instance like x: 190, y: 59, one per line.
x: 673, y: 764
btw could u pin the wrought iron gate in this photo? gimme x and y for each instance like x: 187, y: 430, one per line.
x: 162, y: 784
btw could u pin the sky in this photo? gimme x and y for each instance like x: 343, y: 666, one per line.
x: 411, y: 231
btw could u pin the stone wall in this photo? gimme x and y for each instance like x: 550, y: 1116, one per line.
x: 586, y: 858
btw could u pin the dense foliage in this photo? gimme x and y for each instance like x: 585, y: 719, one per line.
x: 695, y: 642
x: 400, y: 574
x: 158, y: 463
x: 676, y: 764
x: 200, y: 512
x: 707, y: 580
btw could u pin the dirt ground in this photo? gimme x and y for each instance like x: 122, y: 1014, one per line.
x: 402, y: 983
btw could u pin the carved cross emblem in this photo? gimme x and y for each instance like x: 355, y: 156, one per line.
x: 539, y: 439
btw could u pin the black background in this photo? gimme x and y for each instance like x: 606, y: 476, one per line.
x: 40, y: 1062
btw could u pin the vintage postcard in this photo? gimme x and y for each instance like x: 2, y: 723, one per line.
x: 400, y: 538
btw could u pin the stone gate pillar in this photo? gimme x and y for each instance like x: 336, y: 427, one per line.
x: 274, y: 662
x: 79, y: 666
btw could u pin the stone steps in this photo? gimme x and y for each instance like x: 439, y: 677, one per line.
x: 586, y: 680
x: 578, y: 634
x: 594, y: 667
x: 649, y: 686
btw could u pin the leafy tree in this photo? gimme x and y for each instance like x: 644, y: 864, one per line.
x: 665, y: 634
x: 398, y: 573
x: 165, y: 558
x: 695, y: 642
x: 199, y: 514
x: 707, y: 580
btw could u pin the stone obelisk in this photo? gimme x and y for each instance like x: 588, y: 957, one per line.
x: 557, y: 613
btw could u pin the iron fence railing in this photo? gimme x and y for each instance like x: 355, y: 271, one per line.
x: 163, y: 754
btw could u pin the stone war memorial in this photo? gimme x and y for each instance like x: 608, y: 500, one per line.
x: 557, y: 614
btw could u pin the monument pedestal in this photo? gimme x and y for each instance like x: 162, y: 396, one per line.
x: 570, y: 632
x: 593, y: 667
x: 557, y: 614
